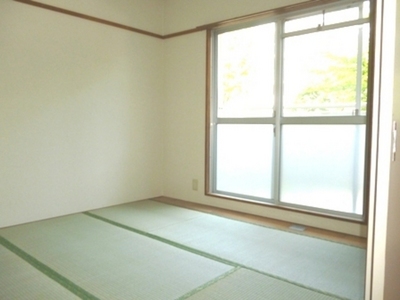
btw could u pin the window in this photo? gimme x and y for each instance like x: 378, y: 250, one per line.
x: 288, y: 109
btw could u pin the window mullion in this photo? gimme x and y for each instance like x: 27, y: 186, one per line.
x: 327, y: 27
x: 245, y: 121
x: 278, y: 109
x: 359, y: 68
x: 214, y: 115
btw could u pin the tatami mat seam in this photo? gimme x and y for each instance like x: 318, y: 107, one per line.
x: 207, y: 284
x: 205, y: 254
x: 63, y: 281
x: 163, y: 240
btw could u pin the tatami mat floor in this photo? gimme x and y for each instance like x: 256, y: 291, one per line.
x: 314, y: 232
x: 153, y: 250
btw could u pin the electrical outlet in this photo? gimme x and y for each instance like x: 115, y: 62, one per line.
x: 195, y: 184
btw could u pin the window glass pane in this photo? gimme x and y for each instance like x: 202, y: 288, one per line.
x: 366, y: 9
x: 363, y: 84
x: 244, y: 159
x: 246, y: 61
x: 327, y: 18
x: 323, y: 166
x: 340, y: 16
x: 304, y: 23
x: 325, y: 73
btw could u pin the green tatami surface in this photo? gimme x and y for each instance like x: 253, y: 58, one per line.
x: 112, y: 263
x: 323, y: 265
x: 151, y: 250
x: 19, y: 280
x: 246, y: 284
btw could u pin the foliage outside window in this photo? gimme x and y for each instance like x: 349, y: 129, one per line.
x: 288, y: 110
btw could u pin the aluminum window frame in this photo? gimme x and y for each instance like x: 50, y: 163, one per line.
x: 278, y: 120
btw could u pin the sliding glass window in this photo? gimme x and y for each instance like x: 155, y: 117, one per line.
x: 288, y: 109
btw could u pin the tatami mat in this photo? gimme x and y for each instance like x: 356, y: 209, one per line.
x: 319, y: 264
x: 147, y: 215
x: 19, y: 280
x: 246, y: 284
x: 113, y: 263
x: 152, y: 250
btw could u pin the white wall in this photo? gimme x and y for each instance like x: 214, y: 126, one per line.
x: 383, y: 245
x: 143, y: 14
x: 80, y: 114
x: 392, y: 263
x: 185, y: 58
